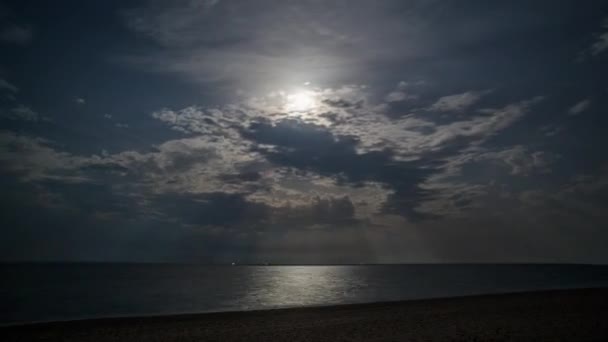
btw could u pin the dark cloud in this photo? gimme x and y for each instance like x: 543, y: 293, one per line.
x: 236, y: 212
x: 311, y: 148
x: 212, y: 209
x: 335, y: 212
x: 91, y: 199
x: 241, y: 177
x: 341, y: 103
x: 7, y: 86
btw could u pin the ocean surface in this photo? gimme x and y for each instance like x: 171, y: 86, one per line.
x: 49, y: 292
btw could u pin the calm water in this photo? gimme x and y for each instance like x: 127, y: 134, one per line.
x: 64, y: 291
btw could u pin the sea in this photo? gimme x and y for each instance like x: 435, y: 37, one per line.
x: 55, y: 292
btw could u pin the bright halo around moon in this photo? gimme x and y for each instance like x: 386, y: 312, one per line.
x: 301, y: 101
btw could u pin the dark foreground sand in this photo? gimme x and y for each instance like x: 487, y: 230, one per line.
x: 571, y: 315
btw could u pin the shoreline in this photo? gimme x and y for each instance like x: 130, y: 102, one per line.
x: 570, y: 308
x: 204, y: 314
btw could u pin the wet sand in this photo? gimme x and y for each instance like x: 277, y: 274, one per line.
x: 563, y: 315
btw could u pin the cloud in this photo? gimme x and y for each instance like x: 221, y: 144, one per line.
x: 582, y: 198
x: 198, y: 164
x: 451, y: 200
x: 157, y: 19
x: 408, y: 136
x: 6, y: 85
x: 210, y: 209
x: 601, y: 44
x: 521, y: 161
x: 220, y: 161
x: 144, y: 175
x: 457, y: 102
x: 34, y: 159
x: 279, y: 46
x: 343, y: 147
x: 271, y: 181
x: 580, y: 107
x: 375, y: 165
x: 551, y: 130
x: 172, y: 185
x: 22, y: 113
x: 330, y: 212
x: 312, y: 148
x: 469, y: 180
x: 235, y: 211
x: 350, y: 144
x: 20, y: 35
x: 171, y: 156
x: 400, y: 93
x: 199, y: 120
x: 476, y: 130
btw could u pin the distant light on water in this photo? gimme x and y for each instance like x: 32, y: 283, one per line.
x: 42, y: 292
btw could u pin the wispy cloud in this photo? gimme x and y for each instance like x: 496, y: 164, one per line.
x: 6, y: 85
x: 580, y: 107
x: 459, y: 187
x: 601, y: 44
x: 278, y: 46
x: 551, y: 130
x: 401, y: 93
x: 23, y: 113
x: 20, y: 35
x: 36, y: 159
x: 575, y: 199
x: 522, y: 161
x: 457, y: 102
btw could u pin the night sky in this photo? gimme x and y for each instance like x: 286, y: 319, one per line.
x: 304, y: 131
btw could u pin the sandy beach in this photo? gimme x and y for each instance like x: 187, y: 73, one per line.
x: 563, y: 315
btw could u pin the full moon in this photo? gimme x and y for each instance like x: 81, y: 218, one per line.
x: 301, y: 101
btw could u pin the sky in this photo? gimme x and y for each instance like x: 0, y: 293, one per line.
x: 304, y: 131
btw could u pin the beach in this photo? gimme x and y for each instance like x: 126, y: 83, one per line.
x: 557, y: 315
